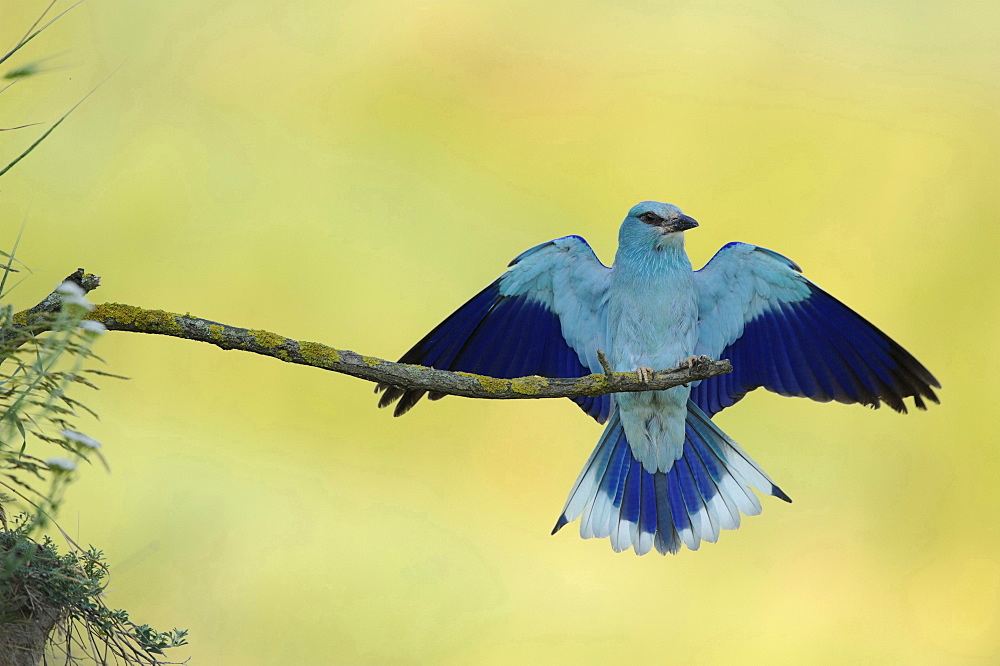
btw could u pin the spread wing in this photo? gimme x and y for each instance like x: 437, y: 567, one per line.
x: 545, y: 316
x: 786, y: 334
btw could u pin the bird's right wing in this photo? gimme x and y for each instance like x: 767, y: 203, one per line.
x: 545, y: 316
x: 786, y: 334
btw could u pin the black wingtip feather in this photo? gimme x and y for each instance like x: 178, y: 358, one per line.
x: 390, y: 396
x: 561, y: 523
x: 407, y: 401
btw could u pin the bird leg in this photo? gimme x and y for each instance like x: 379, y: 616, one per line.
x: 645, y: 373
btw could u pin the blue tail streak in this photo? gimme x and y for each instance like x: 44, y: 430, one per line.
x: 705, y: 491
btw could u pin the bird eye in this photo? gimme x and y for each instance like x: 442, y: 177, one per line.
x: 650, y: 218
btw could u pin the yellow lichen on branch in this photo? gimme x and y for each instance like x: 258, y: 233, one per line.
x: 318, y: 355
x: 145, y: 321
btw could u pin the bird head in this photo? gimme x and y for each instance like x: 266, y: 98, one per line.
x: 654, y: 224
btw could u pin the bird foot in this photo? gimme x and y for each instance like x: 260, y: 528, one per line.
x: 691, y: 360
x: 645, y: 373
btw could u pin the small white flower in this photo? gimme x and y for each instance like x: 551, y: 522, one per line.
x: 69, y: 288
x: 80, y: 438
x: 60, y: 464
x: 74, y: 294
x: 94, y: 327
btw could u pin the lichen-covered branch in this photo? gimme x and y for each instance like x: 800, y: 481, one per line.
x: 119, y: 317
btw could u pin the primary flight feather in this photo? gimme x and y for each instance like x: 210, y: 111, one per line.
x: 663, y: 474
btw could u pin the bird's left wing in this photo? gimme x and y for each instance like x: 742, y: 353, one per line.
x: 545, y: 316
x: 786, y: 334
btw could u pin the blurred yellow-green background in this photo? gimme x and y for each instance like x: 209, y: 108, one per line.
x: 350, y: 172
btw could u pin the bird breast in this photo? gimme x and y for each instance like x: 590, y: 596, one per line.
x: 652, y: 320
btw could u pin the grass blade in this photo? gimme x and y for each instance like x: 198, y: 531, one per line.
x: 54, y: 126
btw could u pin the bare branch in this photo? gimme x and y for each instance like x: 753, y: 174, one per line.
x: 53, y: 302
x: 119, y: 317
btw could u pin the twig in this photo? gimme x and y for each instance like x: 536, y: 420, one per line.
x: 605, y: 363
x: 119, y: 317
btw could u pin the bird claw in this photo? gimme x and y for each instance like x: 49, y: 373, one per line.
x: 645, y: 373
x: 691, y: 360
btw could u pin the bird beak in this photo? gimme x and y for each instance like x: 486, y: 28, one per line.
x: 682, y: 223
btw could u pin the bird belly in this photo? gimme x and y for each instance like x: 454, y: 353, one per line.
x: 654, y: 425
x: 654, y: 327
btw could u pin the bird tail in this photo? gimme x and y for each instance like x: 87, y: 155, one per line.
x: 704, y: 491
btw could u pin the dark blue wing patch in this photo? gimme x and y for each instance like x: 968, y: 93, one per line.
x: 821, y: 349
x: 498, y: 336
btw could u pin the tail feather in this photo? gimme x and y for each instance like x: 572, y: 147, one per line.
x: 667, y: 540
x: 594, y: 470
x: 704, y: 492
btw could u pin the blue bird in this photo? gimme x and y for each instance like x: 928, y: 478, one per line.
x: 663, y: 474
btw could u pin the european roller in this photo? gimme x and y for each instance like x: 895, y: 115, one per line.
x: 663, y: 474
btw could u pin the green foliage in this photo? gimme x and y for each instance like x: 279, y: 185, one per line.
x: 47, y: 599
x: 27, y: 70
x: 36, y: 370
x: 35, y: 373
x: 51, y: 605
x: 36, y: 29
x: 38, y: 582
x: 23, y: 71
